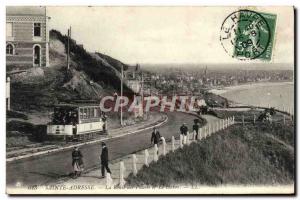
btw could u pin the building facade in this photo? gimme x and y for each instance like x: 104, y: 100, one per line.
x: 27, y: 36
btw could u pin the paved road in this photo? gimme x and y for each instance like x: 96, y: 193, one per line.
x: 44, y: 170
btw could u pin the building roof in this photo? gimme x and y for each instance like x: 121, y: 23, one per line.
x: 134, y: 68
x: 26, y: 10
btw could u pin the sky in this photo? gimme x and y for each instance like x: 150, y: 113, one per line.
x: 164, y: 34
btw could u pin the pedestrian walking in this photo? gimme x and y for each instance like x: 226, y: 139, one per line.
x: 77, y: 162
x: 155, y: 138
x: 104, y: 160
x: 196, y: 128
x: 184, y: 129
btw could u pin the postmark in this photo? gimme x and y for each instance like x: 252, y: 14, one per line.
x: 248, y: 35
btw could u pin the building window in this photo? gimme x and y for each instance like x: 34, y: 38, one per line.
x: 37, y: 29
x: 9, y: 49
x: 9, y: 29
x: 37, y: 55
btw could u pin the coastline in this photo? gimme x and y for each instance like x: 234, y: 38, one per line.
x: 247, y: 86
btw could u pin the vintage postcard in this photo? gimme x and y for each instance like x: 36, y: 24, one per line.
x: 150, y: 100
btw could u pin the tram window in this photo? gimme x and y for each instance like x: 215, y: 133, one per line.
x: 65, y: 116
x: 81, y: 113
x: 95, y: 112
x: 75, y: 117
x: 89, y: 113
x: 84, y: 113
x: 92, y: 112
x: 98, y: 112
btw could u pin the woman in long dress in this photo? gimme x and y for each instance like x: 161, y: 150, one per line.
x: 77, y: 162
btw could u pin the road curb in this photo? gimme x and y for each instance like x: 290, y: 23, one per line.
x: 165, y: 119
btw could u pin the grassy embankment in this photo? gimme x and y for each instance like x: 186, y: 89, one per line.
x: 20, y: 132
x: 252, y: 154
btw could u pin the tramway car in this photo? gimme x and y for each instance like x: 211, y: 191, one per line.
x: 76, y: 120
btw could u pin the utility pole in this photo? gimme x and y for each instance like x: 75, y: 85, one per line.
x: 68, y: 50
x: 122, y: 94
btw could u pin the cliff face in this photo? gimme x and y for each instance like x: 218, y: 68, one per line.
x: 91, y: 75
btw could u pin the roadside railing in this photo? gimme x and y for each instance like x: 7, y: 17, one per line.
x: 185, y: 140
x: 153, y: 153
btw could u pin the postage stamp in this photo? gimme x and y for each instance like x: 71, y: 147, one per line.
x: 246, y: 35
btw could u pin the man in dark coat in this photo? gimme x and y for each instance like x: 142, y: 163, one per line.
x: 184, y: 129
x: 104, y: 160
x: 196, y: 129
x: 155, y: 138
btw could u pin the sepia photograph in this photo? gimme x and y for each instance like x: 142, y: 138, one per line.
x: 150, y: 100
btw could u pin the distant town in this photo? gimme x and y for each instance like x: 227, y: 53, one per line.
x: 195, y: 81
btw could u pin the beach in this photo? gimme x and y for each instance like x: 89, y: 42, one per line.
x: 275, y: 94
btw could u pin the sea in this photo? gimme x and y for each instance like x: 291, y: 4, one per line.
x: 276, y: 95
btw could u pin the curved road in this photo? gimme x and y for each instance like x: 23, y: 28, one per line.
x: 47, y: 169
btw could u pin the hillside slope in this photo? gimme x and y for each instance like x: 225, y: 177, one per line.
x: 90, y: 77
x: 239, y: 155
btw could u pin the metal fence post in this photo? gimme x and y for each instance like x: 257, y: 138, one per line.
x: 188, y: 138
x: 146, y: 158
x: 122, y: 170
x: 155, y: 156
x: 164, y: 145
x: 184, y: 139
x: 173, y: 143
x: 134, y: 169
x: 181, y: 141
x: 109, y: 181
